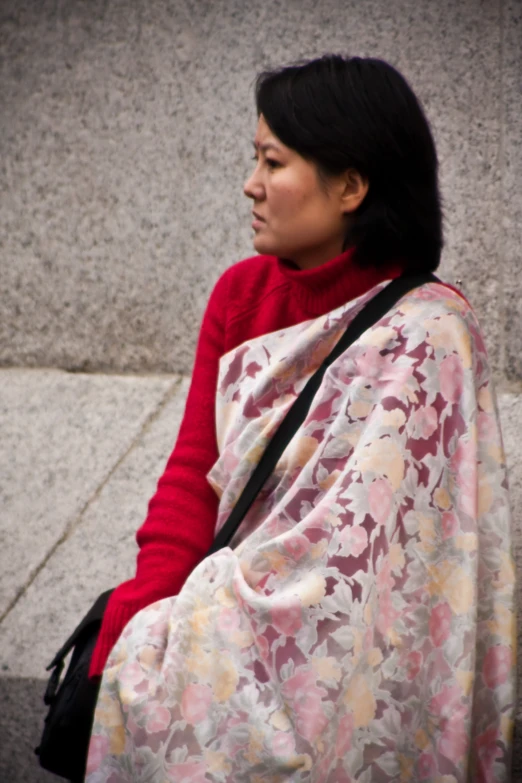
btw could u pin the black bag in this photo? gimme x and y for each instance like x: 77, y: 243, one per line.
x: 65, y: 740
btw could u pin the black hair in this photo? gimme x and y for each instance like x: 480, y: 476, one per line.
x: 361, y: 113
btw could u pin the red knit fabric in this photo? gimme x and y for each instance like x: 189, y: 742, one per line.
x: 254, y: 297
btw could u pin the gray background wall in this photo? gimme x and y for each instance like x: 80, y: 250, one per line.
x: 125, y: 138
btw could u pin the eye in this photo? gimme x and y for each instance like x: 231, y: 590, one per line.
x: 270, y: 162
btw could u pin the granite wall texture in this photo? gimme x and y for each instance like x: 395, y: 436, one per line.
x: 125, y: 133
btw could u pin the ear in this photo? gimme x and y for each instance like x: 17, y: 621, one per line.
x: 355, y: 188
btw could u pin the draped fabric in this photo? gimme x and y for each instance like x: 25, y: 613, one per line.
x: 361, y: 626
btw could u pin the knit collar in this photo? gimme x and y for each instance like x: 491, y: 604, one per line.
x: 335, y: 282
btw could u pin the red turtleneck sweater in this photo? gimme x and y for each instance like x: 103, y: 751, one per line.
x: 254, y: 297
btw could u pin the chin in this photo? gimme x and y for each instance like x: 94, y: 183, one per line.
x: 264, y: 247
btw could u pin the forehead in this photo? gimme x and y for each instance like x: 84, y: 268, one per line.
x: 265, y: 137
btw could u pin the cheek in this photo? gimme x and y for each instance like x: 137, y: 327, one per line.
x: 289, y: 201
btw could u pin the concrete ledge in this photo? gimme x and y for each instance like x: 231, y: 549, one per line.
x: 99, y: 553
x: 62, y: 435
x: 141, y: 417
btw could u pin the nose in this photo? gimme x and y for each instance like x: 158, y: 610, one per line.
x: 253, y: 187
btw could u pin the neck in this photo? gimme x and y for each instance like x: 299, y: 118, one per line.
x: 316, y: 257
x: 334, y: 282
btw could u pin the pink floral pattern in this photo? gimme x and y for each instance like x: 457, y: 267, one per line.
x: 195, y: 702
x: 361, y: 625
x: 440, y: 624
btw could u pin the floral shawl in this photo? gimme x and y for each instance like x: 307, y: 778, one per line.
x: 361, y: 627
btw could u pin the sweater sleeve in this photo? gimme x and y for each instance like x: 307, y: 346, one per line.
x: 179, y: 527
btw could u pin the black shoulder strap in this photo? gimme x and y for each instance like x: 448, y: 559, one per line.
x: 372, y: 312
x: 94, y: 615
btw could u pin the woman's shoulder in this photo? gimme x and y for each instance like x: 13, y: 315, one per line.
x: 438, y: 298
x: 440, y: 314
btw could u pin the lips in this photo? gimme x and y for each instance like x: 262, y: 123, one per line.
x: 258, y: 222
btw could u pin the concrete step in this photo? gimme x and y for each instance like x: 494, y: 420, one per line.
x: 80, y: 456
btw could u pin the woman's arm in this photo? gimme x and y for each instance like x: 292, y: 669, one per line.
x: 179, y: 527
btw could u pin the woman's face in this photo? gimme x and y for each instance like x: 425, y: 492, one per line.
x: 296, y: 216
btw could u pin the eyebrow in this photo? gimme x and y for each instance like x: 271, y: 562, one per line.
x: 267, y: 146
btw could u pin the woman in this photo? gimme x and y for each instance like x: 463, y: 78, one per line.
x: 361, y: 625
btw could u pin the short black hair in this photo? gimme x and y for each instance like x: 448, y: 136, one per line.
x: 361, y: 113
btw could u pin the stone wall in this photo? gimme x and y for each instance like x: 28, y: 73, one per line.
x: 125, y: 137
